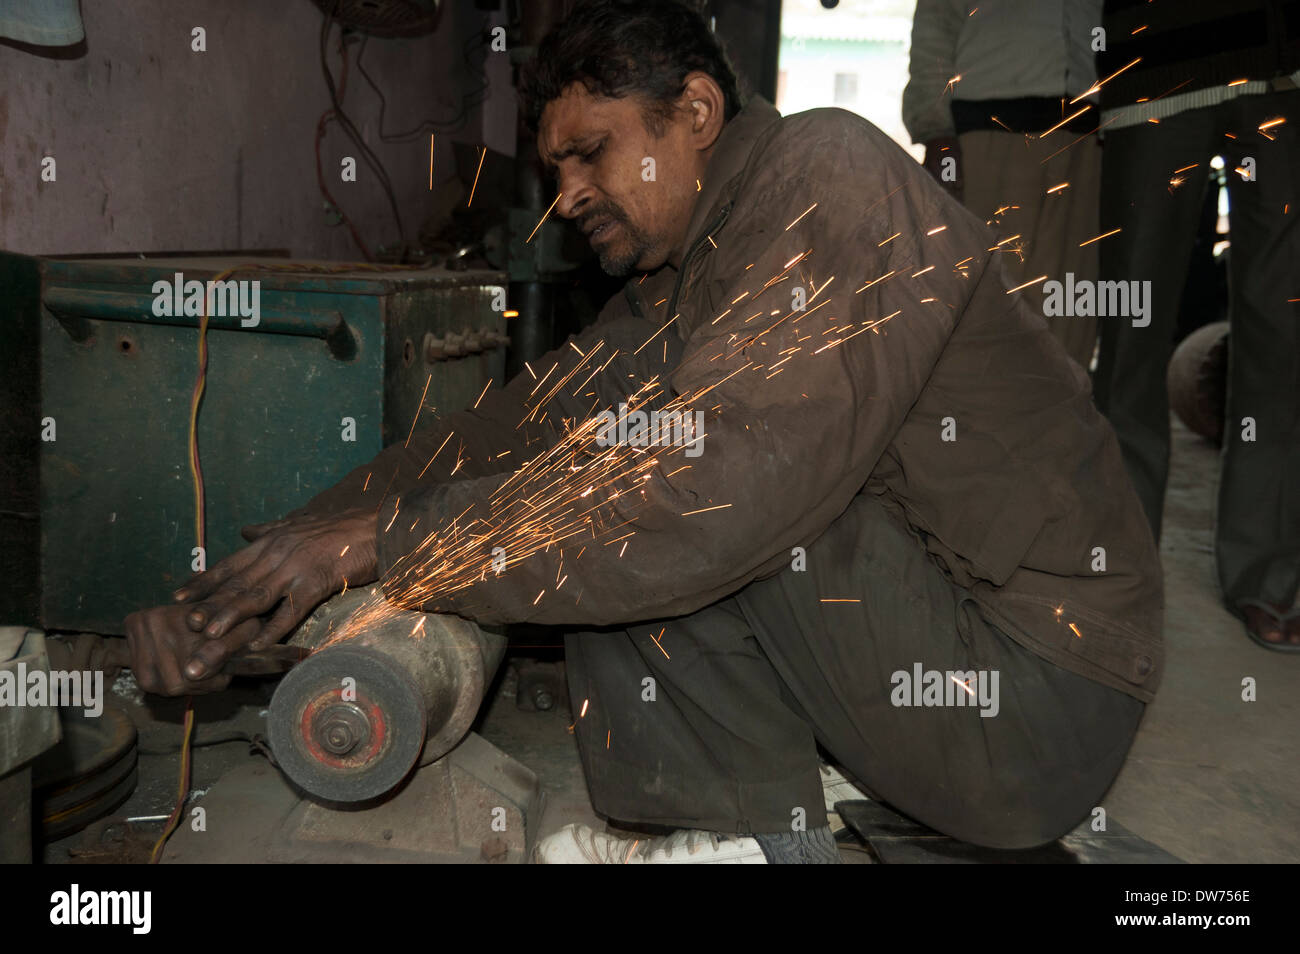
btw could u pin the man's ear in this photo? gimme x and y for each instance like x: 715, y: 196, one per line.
x: 707, y: 105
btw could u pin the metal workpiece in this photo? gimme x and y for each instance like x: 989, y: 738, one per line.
x: 350, y: 721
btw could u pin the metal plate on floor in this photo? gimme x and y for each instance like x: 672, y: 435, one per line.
x: 896, y: 839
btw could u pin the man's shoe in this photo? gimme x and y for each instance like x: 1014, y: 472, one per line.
x: 580, y: 845
x: 837, y: 788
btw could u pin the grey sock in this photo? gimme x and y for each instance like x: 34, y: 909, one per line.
x: 816, y: 847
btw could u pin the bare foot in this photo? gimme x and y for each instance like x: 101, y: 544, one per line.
x: 1273, y: 624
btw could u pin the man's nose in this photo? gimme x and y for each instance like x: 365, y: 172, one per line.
x: 575, y: 193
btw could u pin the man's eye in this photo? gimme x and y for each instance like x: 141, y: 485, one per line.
x: 590, y: 156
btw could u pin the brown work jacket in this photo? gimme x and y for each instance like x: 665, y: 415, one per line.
x: 910, y: 372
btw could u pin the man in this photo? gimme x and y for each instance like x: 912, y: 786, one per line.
x: 893, y: 474
x: 1204, y: 80
x: 1002, y: 95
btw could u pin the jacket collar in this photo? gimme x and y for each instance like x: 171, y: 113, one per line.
x: 734, y: 145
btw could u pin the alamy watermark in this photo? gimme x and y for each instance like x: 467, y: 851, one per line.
x: 1087, y: 299
x: 654, y: 429
x: 933, y: 687
x: 77, y: 907
x: 20, y: 688
x: 222, y: 299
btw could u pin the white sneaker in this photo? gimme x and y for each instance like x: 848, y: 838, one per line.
x: 837, y: 788
x: 580, y: 845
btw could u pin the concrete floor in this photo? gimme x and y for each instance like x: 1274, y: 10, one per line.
x: 1210, y: 778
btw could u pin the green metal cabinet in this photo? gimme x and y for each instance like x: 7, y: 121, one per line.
x: 116, y: 496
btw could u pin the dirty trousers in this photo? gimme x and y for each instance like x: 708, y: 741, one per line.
x: 712, y: 720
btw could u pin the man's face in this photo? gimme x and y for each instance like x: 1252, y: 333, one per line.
x: 634, y: 212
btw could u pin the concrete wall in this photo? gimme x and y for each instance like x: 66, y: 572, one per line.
x: 162, y: 148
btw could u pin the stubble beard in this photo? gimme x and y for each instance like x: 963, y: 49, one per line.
x: 619, y: 259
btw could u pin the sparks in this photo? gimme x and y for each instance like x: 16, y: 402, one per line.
x: 657, y: 643
x: 801, y: 215
x: 1096, y: 87
x: 1011, y: 291
x: 1098, y: 238
x: 706, y: 509
x: 543, y: 219
x: 482, y: 156
x: 1074, y: 115
x: 418, y: 409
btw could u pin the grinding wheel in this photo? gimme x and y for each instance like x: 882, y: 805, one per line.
x: 347, y: 724
x: 414, y: 683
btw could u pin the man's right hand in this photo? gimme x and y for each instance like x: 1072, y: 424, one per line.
x: 291, y: 566
x: 936, y: 150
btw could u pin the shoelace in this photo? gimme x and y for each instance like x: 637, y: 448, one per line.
x: 692, y: 840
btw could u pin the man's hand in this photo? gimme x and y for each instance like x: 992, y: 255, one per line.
x: 936, y: 150
x: 290, y: 567
x: 162, y: 644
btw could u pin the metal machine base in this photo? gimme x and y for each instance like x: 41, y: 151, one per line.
x: 476, y: 804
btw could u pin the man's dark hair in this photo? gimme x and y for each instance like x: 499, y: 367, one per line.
x: 618, y: 48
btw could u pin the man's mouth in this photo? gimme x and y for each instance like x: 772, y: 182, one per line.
x: 602, y: 230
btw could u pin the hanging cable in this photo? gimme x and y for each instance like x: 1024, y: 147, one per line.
x: 471, y: 99
x: 348, y: 127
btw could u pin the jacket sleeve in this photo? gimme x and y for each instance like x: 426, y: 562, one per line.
x: 798, y: 405
x: 936, y: 26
